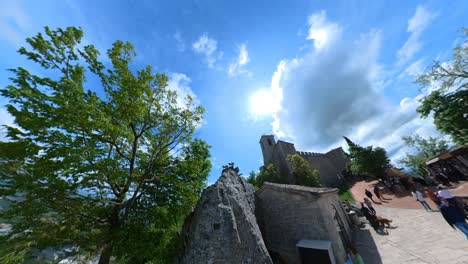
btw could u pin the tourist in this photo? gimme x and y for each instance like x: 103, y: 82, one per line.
x: 377, y: 192
x: 370, y: 217
x: 465, y: 206
x: 369, y: 194
x: 419, y: 197
x: 357, y: 259
x: 389, y: 186
x: 454, y: 217
x: 369, y: 205
x: 444, y: 193
x: 396, y: 185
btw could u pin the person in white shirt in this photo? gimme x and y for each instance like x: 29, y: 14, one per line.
x: 419, y: 197
x: 444, y: 193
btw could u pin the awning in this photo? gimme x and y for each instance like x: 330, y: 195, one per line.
x: 429, y: 162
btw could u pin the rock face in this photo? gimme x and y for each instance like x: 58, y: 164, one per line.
x: 223, y: 227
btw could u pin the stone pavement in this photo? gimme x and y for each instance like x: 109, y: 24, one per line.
x: 402, y: 199
x: 417, y: 237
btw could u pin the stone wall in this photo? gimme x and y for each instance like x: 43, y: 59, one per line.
x: 290, y: 213
x: 279, y: 159
x: 330, y: 164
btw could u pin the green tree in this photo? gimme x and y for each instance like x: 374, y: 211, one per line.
x: 424, y: 150
x: 268, y: 174
x: 115, y: 174
x: 367, y: 160
x: 252, y: 178
x: 302, y: 172
x: 448, y: 100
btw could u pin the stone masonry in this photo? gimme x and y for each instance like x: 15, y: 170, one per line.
x: 330, y: 164
x: 288, y: 214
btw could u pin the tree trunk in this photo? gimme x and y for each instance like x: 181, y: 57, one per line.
x: 106, y: 251
x: 105, y: 254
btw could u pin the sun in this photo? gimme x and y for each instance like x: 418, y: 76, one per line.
x: 263, y: 103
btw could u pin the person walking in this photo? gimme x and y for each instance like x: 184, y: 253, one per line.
x: 369, y: 194
x: 419, y: 197
x: 377, y: 193
x: 370, y: 217
x: 369, y: 205
x: 454, y: 217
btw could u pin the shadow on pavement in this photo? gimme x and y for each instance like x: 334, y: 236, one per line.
x: 366, y: 246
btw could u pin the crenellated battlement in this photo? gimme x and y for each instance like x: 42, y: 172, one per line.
x: 313, y: 154
x: 330, y: 164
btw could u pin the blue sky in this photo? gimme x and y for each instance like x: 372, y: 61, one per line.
x: 306, y: 71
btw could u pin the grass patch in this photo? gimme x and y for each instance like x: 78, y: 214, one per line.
x: 345, y: 194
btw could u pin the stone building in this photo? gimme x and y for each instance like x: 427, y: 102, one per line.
x: 281, y: 224
x: 301, y: 224
x: 330, y: 164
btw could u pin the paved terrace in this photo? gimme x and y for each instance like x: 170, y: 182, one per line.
x: 418, y: 236
x: 400, y: 200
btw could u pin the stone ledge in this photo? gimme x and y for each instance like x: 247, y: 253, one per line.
x: 296, y: 189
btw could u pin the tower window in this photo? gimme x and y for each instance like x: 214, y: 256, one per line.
x: 269, y: 142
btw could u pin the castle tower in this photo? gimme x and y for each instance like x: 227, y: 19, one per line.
x: 267, y: 142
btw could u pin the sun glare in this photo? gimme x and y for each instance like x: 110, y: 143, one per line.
x: 262, y: 103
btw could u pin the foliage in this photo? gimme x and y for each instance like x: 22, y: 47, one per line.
x: 268, y: 174
x: 302, y: 171
x: 425, y: 149
x: 252, y: 179
x: 448, y: 99
x: 114, y: 174
x: 345, y: 194
x: 368, y: 160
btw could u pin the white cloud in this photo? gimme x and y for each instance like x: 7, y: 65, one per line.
x: 14, y: 22
x: 421, y: 19
x: 329, y: 93
x: 321, y: 31
x: 415, y: 69
x: 180, y: 83
x: 207, y: 46
x: 180, y: 41
x: 416, y: 26
x: 237, y: 67
x: 398, y: 121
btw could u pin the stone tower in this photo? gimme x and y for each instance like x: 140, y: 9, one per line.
x: 267, y: 142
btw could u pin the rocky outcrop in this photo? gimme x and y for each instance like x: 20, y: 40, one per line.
x: 223, y: 227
